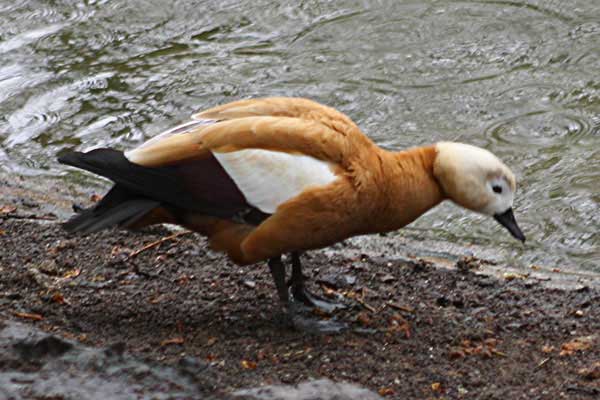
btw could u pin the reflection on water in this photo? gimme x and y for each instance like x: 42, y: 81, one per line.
x: 518, y: 77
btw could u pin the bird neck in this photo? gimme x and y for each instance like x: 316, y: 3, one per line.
x: 411, y: 186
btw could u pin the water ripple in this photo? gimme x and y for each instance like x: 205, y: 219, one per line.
x: 28, y: 37
x: 15, y: 79
x: 555, y: 9
x: 12, y: 6
x: 538, y: 128
x: 42, y: 111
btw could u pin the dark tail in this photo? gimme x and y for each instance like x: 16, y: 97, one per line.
x: 123, y: 205
x: 119, y: 207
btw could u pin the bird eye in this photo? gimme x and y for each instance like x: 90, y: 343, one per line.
x: 497, y: 189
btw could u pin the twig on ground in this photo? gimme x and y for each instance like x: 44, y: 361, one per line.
x: 592, y: 391
x: 31, y: 316
x: 28, y: 216
x: 365, y: 305
x: 401, y: 307
x: 542, y: 363
x: 156, y: 243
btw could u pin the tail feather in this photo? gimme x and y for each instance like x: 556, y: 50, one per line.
x: 119, y: 207
x: 166, y: 184
x: 157, y: 183
x: 130, y: 199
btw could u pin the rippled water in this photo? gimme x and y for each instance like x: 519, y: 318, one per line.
x: 521, y: 78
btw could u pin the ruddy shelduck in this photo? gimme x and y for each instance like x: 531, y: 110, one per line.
x: 265, y: 177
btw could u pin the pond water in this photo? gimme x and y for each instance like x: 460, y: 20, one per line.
x: 518, y: 77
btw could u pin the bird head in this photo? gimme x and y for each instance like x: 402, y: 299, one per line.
x: 476, y: 179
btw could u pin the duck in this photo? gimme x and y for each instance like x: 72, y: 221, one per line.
x: 270, y: 177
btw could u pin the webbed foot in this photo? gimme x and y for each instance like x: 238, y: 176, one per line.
x: 299, y: 307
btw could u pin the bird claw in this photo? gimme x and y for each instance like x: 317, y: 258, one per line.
x: 300, y: 294
x: 317, y: 326
x: 301, y: 318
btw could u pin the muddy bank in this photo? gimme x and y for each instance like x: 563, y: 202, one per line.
x: 38, y: 365
x: 417, y: 331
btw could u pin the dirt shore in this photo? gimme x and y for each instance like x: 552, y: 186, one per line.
x: 416, y: 331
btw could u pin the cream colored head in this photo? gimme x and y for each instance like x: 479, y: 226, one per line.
x: 476, y: 179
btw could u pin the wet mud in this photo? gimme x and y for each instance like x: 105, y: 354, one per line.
x: 416, y: 331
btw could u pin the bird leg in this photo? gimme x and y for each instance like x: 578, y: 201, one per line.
x: 278, y: 273
x: 295, y: 311
x: 300, y: 293
x: 298, y: 277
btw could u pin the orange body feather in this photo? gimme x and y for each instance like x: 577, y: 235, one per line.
x: 376, y: 191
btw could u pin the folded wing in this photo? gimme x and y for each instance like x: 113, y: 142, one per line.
x: 236, y: 163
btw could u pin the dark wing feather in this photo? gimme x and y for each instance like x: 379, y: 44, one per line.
x: 199, y: 185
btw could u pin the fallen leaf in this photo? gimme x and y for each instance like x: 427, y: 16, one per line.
x: 364, y: 319
x: 68, y: 335
x: 248, y: 364
x: 74, y: 273
x: 329, y: 292
x: 34, y: 317
x: 456, y: 353
x: 61, y: 246
x: 98, y: 278
x: 592, y: 372
x: 211, y: 357
x: 547, y: 349
x: 58, y: 298
x: 577, y: 344
x: 321, y: 312
x: 157, y: 299
x: 487, y: 348
x: 118, y: 251
x: 399, y: 325
x: 436, y: 387
x: 509, y: 276
x: 175, y: 340
x: 7, y: 209
x: 498, y: 353
x: 386, y: 391
x: 95, y: 198
x: 2, y: 232
x: 211, y: 340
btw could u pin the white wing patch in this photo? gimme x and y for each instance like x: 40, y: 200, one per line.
x: 270, y: 178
